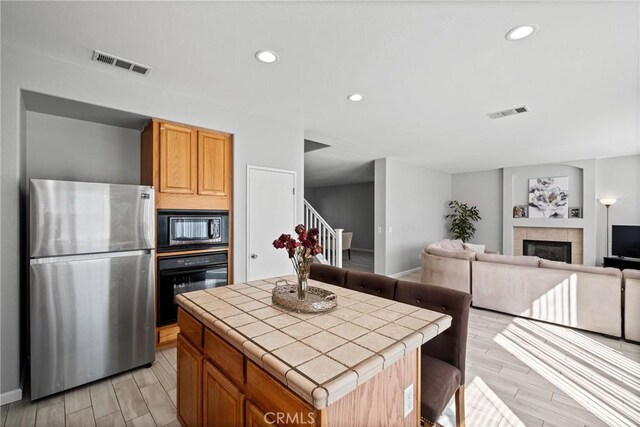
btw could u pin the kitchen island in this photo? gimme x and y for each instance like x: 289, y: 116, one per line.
x: 244, y: 361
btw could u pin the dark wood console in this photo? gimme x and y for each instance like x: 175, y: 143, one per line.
x: 622, y: 263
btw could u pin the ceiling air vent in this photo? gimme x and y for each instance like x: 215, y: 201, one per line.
x: 125, y: 64
x: 509, y: 112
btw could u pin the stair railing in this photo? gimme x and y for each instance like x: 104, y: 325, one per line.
x: 330, y: 239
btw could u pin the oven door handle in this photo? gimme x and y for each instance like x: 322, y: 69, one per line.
x: 198, y: 269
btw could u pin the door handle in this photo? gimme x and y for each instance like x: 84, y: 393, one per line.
x: 254, y: 256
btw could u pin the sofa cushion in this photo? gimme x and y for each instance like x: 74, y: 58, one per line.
x: 328, y: 274
x: 447, y: 253
x: 631, y: 274
x: 580, y: 268
x: 527, y: 261
x: 373, y: 284
x: 442, y: 380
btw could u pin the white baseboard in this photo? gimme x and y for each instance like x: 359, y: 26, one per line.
x: 362, y: 250
x: 11, y: 396
x: 402, y: 273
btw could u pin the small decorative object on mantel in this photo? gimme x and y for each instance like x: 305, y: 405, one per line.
x: 301, y: 252
x: 575, y: 212
x: 520, y: 211
x: 548, y: 197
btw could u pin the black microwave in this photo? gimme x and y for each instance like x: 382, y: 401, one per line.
x: 192, y: 229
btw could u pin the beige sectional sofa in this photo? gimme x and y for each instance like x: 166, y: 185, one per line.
x: 448, y: 268
x: 578, y: 296
x: 632, y: 304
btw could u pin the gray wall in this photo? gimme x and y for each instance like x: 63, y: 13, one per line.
x: 75, y: 150
x: 380, y: 216
x: 350, y: 207
x: 618, y: 178
x: 310, y: 195
x: 257, y: 141
x: 415, y: 203
x: 484, y: 190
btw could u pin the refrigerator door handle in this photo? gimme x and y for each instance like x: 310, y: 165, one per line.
x: 67, y: 258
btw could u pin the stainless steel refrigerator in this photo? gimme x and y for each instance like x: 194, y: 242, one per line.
x: 92, y: 284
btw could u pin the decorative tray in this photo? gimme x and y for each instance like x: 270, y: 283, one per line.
x: 317, y: 300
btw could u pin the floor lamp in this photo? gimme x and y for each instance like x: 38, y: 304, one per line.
x: 607, y: 203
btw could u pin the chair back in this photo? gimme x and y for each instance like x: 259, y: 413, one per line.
x: 347, y: 236
x: 451, y: 345
x: 328, y: 274
x: 372, y: 284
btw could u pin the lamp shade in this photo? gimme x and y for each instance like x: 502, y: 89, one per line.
x: 607, y: 202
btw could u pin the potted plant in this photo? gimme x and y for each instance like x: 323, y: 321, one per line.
x: 462, y: 219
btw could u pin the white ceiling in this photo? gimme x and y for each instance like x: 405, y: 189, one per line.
x: 430, y: 71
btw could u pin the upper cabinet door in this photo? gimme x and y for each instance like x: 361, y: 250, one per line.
x: 214, y: 164
x: 178, y: 159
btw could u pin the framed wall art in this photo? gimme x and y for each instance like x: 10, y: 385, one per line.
x: 549, y: 197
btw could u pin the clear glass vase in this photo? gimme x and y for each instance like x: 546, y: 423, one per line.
x: 302, y: 286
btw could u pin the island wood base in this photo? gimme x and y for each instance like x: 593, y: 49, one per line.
x: 220, y: 386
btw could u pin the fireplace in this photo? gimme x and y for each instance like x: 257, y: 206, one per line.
x: 554, y: 251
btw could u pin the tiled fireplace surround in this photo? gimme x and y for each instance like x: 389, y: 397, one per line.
x: 573, y: 235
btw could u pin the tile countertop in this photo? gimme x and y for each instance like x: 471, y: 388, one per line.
x: 320, y: 357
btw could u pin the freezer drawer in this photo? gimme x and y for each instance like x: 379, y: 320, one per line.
x: 91, y: 317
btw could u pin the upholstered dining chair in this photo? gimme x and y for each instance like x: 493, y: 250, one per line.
x: 443, y: 358
x: 347, y: 236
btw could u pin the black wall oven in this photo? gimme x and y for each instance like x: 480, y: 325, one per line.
x: 187, y: 229
x: 179, y: 274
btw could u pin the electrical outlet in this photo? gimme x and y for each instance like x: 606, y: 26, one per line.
x: 408, y: 400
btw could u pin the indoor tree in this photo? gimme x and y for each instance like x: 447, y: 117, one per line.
x: 462, y: 220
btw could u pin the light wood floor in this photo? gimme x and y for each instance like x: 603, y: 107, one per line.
x: 526, y: 373
x: 140, y: 398
x: 519, y: 373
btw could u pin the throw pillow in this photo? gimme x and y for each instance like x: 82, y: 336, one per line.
x: 475, y: 248
x: 457, y: 245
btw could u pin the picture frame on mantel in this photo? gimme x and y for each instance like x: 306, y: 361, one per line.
x: 575, y: 212
x: 520, y: 211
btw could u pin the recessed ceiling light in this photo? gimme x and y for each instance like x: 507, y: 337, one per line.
x: 520, y: 32
x: 266, y: 56
x: 355, y: 97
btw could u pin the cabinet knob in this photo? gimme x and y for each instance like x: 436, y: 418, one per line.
x: 254, y: 256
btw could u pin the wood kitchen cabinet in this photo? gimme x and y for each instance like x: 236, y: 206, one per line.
x: 214, y: 160
x: 223, y: 402
x: 219, y: 386
x: 178, y: 159
x: 256, y: 418
x: 189, y: 383
x: 190, y: 167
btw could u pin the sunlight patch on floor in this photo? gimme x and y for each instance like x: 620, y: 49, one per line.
x: 483, y: 407
x: 575, y: 364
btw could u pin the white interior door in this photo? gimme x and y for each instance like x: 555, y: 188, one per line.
x: 271, y: 211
